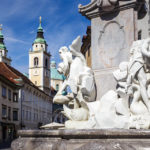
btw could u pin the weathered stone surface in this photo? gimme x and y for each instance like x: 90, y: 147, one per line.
x: 111, y: 139
x: 112, y: 36
x: 53, y: 125
x: 113, y: 29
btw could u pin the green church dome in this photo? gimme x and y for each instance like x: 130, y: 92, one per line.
x: 40, y: 40
x: 2, y: 46
x: 54, y: 73
x: 40, y: 29
x: 40, y: 37
x: 1, y: 35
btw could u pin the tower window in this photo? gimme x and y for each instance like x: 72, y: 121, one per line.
x: 57, y: 87
x: 46, y: 63
x: 41, y: 45
x: 36, y: 61
x: 36, y: 46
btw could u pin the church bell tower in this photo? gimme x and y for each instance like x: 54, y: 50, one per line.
x: 3, y: 49
x: 39, y: 62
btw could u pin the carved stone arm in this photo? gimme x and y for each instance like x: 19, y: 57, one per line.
x: 63, y: 87
x: 145, y: 48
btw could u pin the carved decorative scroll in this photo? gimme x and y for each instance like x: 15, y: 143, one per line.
x: 104, y: 6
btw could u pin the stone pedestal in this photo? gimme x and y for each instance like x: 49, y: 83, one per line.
x: 112, y: 139
x: 113, y: 30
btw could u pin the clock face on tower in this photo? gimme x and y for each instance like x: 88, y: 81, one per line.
x: 36, y: 72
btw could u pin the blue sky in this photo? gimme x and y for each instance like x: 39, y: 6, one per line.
x: 20, y: 18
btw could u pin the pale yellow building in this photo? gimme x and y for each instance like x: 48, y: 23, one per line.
x: 34, y: 104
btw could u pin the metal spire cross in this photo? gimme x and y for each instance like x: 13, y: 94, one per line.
x: 40, y: 18
x: 1, y: 27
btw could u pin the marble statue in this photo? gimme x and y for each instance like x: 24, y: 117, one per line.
x: 80, y: 79
x: 127, y: 107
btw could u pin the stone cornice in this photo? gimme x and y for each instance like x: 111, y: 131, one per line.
x: 39, y: 51
x: 100, y: 7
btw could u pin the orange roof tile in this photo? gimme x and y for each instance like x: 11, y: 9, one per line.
x: 11, y: 74
x: 7, y: 73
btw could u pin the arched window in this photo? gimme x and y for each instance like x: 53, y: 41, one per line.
x: 57, y: 87
x: 46, y: 63
x: 36, y: 61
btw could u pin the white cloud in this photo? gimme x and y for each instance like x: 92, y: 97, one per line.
x: 32, y: 32
x: 14, y: 40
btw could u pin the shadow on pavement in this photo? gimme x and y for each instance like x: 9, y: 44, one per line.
x: 5, y: 145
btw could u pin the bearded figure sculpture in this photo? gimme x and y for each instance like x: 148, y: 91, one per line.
x: 80, y: 80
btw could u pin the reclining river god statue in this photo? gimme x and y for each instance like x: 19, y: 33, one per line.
x: 127, y: 107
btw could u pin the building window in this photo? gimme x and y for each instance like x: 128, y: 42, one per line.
x: 57, y: 87
x: 35, y: 82
x: 22, y: 96
x: 36, y: 45
x: 46, y: 73
x: 15, y: 114
x: 4, y: 91
x: 22, y: 114
x: 9, y: 113
x: 36, y: 61
x: 9, y: 94
x: 34, y: 116
x: 46, y: 63
x: 4, y: 112
x: 15, y: 97
x: 41, y: 45
x: 140, y: 35
x: 26, y: 115
x: 30, y: 116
